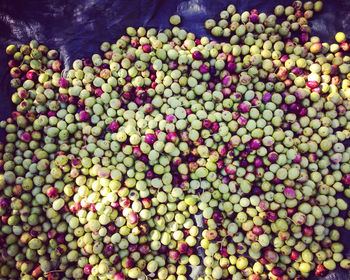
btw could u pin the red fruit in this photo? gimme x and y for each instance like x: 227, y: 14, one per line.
x: 15, y: 72
x: 206, y: 123
x: 171, y: 137
x: 134, y: 43
x: 223, y: 252
x: 258, y: 162
x: 153, y: 85
x: 316, y: 47
x: 254, y: 18
x: 312, y: 84
x: 98, y: 92
x: 80, y: 103
x: 222, y: 150
x: 169, y: 119
x: 271, y: 216
x: 72, y: 100
x: 199, y: 141
x: 257, y: 230
x: 144, y: 249
x: 63, y: 98
x: 193, y: 166
x: 53, y: 276
x: 344, y: 46
x: 282, y: 73
x: 84, y: 203
x: 197, y: 55
x: 127, y: 262
x: 108, y: 250
x: 150, y: 138
x: 84, y: 116
x: 92, y: 207
x: 133, y: 218
x: 37, y: 271
x: 4, y: 219
x: 271, y: 256
x: 294, y: 255
x: 144, y: 228
x: 242, y: 121
x: 26, y: 137
x: 304, y: 37
x: 56, y: 66
x: 288, y: 82
x: 334, y: 70
x: 255, y: 144
x: 132, y: 248
x: 177, y: 161
x: 220, y: 163
x: 174, y: 254
x: 291, y: 211
x: 298, y: 158
x: 272, y: 157
x: 13, y: 63
x: 17, y: 190
x: 251, y: 236
x: 76, y: 162
x: 52, y: 192
x: 111, y: 228
x: 146, y: 48
x: 52, y: 233
x: 75, y: 207
x: 114, y: 204
x: 289, y: 193
x: 146, y: 203
x: 277, y: 271
x: 243, y: 107
x: 335, y: 80
x: 218, y: 217
x: 211, y: 234
x: 31, y: 75
x: 15, y: 114
x: 124, y: 202
x: 308, y: 231
x: 215, y: 127
x: 204, y: 68
x: 63, y: 83
x: 230, y: 169
x: 127, y: 95
x: 87, y: 269
x: 119, y: 276
x: 190, y: 250
x: 320, y: 270
x: 284, y: 235
x: 188, y: 111
x: 182, y: 247
x: 346, y: 179
x: 137, y: 151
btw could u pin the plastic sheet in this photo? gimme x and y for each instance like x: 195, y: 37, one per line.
x: 76, y: 28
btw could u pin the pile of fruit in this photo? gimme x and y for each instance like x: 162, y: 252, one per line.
x: 106, y: 169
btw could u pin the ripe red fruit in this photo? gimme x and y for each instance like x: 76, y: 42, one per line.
x: 146, y: 48
x: 52, y: 192
x: 294, y: 255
